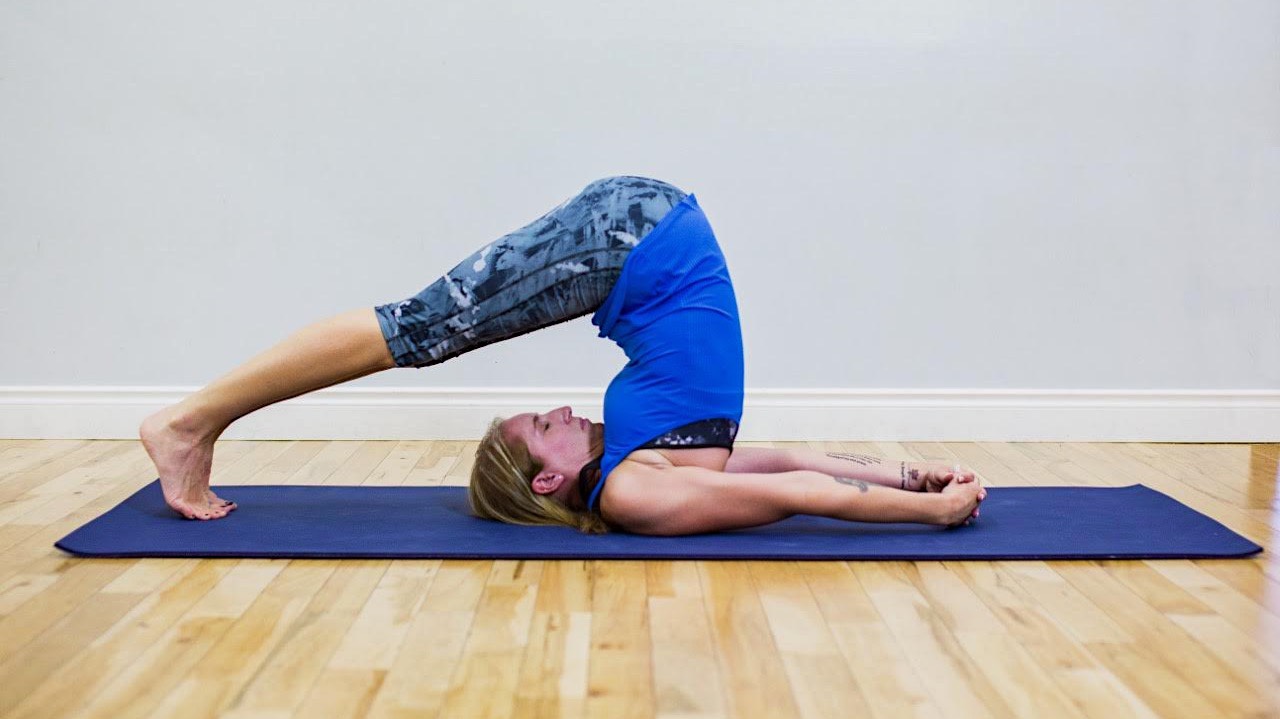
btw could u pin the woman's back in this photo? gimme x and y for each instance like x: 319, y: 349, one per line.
x: 674, y: 313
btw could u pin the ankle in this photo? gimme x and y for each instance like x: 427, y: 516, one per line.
x: 189, y: 419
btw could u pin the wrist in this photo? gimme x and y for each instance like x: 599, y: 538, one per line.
x: 909, y: 476
x: 941, y: 508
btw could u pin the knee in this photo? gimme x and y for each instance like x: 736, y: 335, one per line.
x: 613, y: 183
x: 634, y: 182
x: 605, y: 183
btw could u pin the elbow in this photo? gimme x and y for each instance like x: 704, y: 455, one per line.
x: 788, y: 460
x: 785, y: 460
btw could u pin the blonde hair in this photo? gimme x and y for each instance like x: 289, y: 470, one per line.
x: 500, y: 486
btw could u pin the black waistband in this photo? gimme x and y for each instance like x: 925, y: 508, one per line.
x: 717, y: 432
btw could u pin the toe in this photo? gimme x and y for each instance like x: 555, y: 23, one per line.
x: 196, y: 510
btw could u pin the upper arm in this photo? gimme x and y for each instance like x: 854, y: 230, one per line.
x: 762, y: 460
x: 692, y: 500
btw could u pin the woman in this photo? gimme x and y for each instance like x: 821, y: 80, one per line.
x: 640, y: 254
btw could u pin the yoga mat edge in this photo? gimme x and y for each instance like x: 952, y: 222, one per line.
x: 358, y: 522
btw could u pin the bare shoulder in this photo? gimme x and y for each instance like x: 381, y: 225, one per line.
x: 627, y: 486
x: 670, y: 500
x: 632, y: 484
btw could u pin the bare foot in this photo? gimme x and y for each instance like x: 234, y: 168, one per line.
x: 215, y: 500
x: 183, y: 462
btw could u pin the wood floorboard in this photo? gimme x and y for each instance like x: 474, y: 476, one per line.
x: 411, y: 638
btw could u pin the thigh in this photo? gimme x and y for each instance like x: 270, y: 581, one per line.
x: 555, y: 269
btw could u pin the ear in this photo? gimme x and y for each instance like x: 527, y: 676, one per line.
x: 547, y: 482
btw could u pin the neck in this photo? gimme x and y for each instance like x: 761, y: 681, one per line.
x: 588, y: 478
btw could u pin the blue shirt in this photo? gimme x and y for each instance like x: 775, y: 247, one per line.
x: 673, y: 312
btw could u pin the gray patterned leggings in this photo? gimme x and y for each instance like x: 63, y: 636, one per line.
x: 557, y: 268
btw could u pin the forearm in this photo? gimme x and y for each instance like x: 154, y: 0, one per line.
x: 876, y: 470
x: 859, y: 500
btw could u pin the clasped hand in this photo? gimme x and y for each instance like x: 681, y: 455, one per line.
x: 957, y: 481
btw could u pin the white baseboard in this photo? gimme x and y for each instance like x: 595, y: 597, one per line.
x: 72, y: 412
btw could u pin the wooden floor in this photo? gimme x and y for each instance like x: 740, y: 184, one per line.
x: 278, y: 638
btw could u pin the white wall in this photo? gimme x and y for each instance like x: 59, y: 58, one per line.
x: 950, y: 195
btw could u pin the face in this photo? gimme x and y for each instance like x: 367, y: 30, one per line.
x: 561, y: 441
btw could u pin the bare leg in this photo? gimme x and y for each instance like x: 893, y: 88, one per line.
x: 180, y: 438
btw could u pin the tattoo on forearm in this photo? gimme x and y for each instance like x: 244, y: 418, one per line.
x: 862, y: 459
x: 852, y: 482
x: 911, y: 476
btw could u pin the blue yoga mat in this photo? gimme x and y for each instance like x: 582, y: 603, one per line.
x: 436, y: 522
